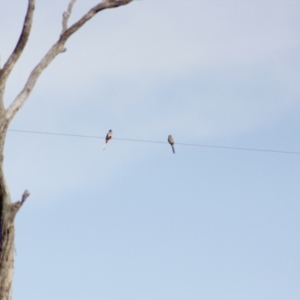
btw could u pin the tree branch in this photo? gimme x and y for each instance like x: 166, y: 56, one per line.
x: 90, y: 14
x: 66, y: 16
x: 56, y: 49
x: 25, y: 195
x: 14, y: 208
x: 8, y: 66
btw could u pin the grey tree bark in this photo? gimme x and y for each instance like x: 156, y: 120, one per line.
x: 9, y: 209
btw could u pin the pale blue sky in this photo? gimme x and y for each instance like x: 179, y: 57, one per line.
x: 135, y: 221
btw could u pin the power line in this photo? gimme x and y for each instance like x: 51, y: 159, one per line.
x: 156, y: 142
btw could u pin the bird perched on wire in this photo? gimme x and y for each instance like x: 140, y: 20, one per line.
x: 171, y: 142
x: 107, y: 138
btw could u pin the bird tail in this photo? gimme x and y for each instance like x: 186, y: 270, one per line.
x: 104, y: 146
x: 173, y: 149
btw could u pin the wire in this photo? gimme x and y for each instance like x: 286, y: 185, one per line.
x: 155, y: 142
x: 56, y: 133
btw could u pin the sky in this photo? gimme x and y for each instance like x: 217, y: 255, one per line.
x: 136, y: 221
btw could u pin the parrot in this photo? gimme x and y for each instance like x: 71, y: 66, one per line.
x: 107, y: 138
x: 171, y: 142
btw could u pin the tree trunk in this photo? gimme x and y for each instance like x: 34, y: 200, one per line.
x: 7, y: 235
x: 8, y: 211
x: 6, y: 227
x: 6, y: 255
x: 7, y: 231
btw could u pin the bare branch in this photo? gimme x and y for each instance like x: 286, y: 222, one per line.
x: 8, y: 66
x: 31, y: 81
x: 25, y: 195
x: 66, y: 16
x: 101, y: 6
x: 14, y: 207
x: 56, y: 49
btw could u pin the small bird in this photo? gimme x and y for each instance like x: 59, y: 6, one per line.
x: 171, y: 142
x: 107, y: 138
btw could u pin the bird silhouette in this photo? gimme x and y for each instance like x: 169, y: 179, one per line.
x: 171, y: 142
x: 107, y: 138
